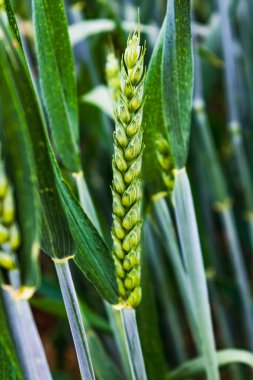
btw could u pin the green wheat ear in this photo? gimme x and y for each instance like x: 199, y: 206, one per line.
x: 9, y: 230
x: 166, y: 162
x: 126, y: 164
x: 112, y: 71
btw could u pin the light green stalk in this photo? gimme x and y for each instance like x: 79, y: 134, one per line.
x: 243, y: 172
x: 222, y: 201
x: 191, y: 249
x: 127, y: 161
x: 75, y: 320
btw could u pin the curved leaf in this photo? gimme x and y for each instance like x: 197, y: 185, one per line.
x: 197, y: 366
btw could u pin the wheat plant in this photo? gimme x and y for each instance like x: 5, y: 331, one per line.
x: 125, y: 201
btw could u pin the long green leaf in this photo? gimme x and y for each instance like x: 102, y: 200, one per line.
x: 154, y: 127
x: 147, y: 318
x: 57, y: 78
x: 177, y: 78
x: 59, y: 206
x: 92, y: 254
x: 18, y: 151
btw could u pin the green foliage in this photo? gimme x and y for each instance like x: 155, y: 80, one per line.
x: 177, y: 78
x: 195, y: 250
x: 22, y: 168
x: 57, y: 79
x: 60, y: 236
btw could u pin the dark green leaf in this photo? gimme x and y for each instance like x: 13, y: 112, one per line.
x: 18, y: 152
x: 177, y: 78
x: 148, y: 319
x: 57, y: 78
x: 63, y: 217
x: 153, y: 122
x: 92, y: 255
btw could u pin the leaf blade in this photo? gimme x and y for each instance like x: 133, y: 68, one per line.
x: 177, y: 78
x: 57, y: 78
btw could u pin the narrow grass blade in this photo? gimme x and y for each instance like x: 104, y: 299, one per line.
x: 153, y: 118
x: 240, y: 274
x: 133, y: 344
x: 224, y: 357
x: 177, y: 78
x: 242, y: 167
x: 17, y: 148
x: 92, y: 255
x: 75, y: 320
x: 57, y: 78
x: 147, y: 317
x: 221, y: 200
x: 64, y: 222
x: 190, y: 244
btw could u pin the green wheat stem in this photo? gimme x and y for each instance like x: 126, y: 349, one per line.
x: 243, y: 172
x: 75, y: 320
x: 13, y: 321
x: 222, y: 201
x: 29, y: 331
x: 117, y: 325
x: 190, y: 245
x: 135, y: 356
